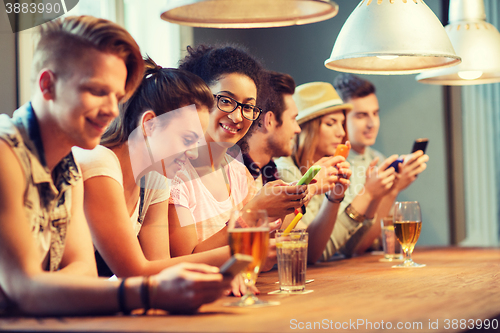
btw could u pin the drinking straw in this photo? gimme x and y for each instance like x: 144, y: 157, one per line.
x: 294, y: 222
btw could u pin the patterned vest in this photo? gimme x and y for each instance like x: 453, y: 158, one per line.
x: 47, y: 198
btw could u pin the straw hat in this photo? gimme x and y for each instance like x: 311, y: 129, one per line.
x: 315, y: 99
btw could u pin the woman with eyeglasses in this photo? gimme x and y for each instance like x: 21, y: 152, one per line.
x: 126, y: 212
x: 209, y: 187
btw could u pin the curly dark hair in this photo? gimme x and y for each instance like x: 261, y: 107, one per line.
x: 349, y: 86
x: 211, y: 62
x: 161, y: 90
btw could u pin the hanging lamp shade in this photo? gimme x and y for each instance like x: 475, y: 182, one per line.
x: 239, y: 14
x: 391, y: 37
x: 476, y: 41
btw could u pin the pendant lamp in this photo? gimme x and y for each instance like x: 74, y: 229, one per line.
x: 391, y: 37
x: 239, y: 14
x: 476, y: 41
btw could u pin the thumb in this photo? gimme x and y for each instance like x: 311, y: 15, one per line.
x: 373, y: 163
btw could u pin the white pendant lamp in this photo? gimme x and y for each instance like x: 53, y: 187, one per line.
x: 476, y: 41
x: 391, y: 37
x: 239, y: 14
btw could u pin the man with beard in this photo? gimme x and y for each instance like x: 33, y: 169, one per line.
x: 271, y: 135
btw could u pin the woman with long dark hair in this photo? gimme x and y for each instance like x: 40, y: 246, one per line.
x: 157, y: 130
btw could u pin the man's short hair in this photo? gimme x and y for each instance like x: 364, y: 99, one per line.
x: 271, y: 98
x: 62, y: 43
x: 350, y: 86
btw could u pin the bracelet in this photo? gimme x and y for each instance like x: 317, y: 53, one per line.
x: 145, y: 294
x: 121, y: 297
x: 353, y: 214
x: 335, y: 201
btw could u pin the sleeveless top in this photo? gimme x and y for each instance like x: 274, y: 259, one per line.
x: 47, y: 197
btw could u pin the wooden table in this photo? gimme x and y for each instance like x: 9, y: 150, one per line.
x: 359, y: 294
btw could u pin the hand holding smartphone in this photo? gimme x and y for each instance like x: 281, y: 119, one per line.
x: 307, y: 178
x: 419, y: 144
x: 342, y: 150
x: 309, y: 175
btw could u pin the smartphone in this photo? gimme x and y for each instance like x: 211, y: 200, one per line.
x: 420, y: 144
x: 395, y: 164
x: 235, y: 265
x: 309, y: 175
x: 342, y: 150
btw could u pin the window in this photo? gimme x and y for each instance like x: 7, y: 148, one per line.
x: 162, y: 41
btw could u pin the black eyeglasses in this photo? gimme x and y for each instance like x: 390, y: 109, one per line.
x: 228, y: 104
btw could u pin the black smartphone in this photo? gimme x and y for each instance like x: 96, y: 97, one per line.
x: 420, y: 144
x: 235, y: 265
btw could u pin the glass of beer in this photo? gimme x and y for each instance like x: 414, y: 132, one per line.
x: 249, y: 234
x: 407, y: 226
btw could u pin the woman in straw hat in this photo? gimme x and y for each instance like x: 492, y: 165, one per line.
x: 322, y: 120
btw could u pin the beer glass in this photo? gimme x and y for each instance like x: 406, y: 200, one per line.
x: 249, y: 234
x: 407, y: 226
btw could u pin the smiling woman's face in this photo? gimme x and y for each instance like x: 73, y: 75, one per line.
x: 175, y: 138
x: 231, y: 127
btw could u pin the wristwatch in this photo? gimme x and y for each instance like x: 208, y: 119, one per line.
x: 353, y: 214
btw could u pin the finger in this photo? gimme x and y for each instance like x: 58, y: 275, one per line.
x: 417, y: 163
x: 292, y: 197
x: 278, y: 182
x: 295, y: 190
x: 423, y: 159
x: 409, y: 159
x: 383, y: 173
x: 275, y: 225
x: 235, y: 290
x: 255, y: 290
x: 374, y: 163
x: 389, y: 179
x: 325, y: 161
x: 345, y: 173
x: 344, y: 165
x: 418, y: 170
x: 344, y: 181
x: 338, y: 159
x: 200, y: 268
x: 388, y: 161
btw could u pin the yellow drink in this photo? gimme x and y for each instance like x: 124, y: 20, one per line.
x: 407, y: 233
x: 251, y: 241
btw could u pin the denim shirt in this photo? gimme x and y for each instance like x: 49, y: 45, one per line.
x: 47, y: 198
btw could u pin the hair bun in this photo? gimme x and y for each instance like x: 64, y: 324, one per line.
x: 151, y: 68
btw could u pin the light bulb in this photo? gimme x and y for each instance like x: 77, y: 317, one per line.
x: 470, y: 75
